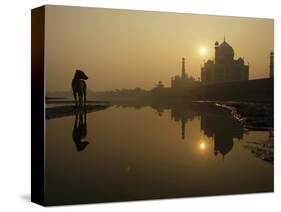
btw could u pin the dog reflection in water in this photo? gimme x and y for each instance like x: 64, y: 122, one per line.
x: 80, y: 130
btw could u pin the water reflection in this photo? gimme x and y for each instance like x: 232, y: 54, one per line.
x: 80, y: 130
x: 154, y: 150
x: 216, y: 123
x: 262, y: 149
x: 183, y: 114
x: 222, y: 127
x: 202, y: 145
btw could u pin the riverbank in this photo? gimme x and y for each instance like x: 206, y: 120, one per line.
x: 253, y: 115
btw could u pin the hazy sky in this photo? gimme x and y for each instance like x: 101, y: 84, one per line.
x: 127, y: 49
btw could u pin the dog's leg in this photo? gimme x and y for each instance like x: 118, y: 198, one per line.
x: 80, y: 99
x: 75, y: 98
x: 85, y: 119
x: 85, y: 99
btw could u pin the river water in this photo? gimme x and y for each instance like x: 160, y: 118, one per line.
x: 135, y: 152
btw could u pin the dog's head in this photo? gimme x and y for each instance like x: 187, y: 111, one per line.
x: 81, y: 145
x: 80, y: 75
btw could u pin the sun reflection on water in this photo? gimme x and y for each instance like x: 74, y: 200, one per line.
x: 202, y: 145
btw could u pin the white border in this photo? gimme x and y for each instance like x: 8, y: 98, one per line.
x: 15, y: 104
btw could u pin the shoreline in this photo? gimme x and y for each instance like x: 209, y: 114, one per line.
x: 253, y: 116
x: 256, y: 116
x: 70, y: 110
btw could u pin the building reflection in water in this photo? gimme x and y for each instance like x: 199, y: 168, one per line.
x: 216, y: 123
x: 220, y: 125
x: 182, y: 115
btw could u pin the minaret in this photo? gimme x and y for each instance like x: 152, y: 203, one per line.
x: 183, y: 128
x: 183, y: 74
x: 216, y: 51
x: 271, y: 66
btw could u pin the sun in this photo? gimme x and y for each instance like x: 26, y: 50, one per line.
x: 202, y: 145
x: 202, y: 51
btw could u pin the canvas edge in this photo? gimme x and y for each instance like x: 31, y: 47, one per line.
x: 37, y: 105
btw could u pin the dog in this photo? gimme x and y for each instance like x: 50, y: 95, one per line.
x: 79, y: 87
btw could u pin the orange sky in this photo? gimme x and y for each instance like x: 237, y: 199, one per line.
x: 127, y: 49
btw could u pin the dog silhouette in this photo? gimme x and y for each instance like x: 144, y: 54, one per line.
x: 79, y: 87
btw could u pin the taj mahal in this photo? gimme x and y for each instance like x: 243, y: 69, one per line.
x: 224, y: 68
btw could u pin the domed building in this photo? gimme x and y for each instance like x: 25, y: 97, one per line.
x: 224, y: 68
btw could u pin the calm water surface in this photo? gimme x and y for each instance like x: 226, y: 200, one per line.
x: 129, y: 153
